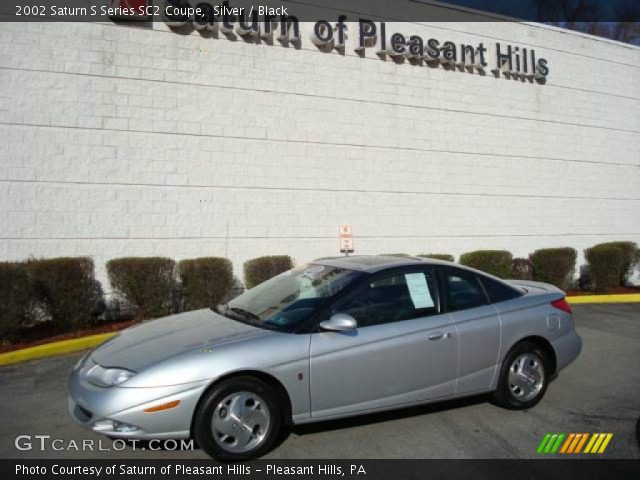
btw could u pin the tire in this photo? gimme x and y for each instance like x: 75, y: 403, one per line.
x: 522, y: 389
x: 217, y: 427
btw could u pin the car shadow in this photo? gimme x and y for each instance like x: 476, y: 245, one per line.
x: 381, y: 417
x: 355, y: 421
x: 388, y: 416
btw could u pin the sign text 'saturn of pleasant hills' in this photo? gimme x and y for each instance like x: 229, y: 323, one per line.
x: 512, y: 61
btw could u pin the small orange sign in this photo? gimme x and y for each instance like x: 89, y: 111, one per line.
x: 345, y: 230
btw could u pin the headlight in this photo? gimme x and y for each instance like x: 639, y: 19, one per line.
x: 108, y: 377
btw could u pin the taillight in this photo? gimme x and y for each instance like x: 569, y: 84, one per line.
x: 562, y: 304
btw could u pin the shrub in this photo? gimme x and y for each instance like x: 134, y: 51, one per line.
x: 555, y: 266
x: 439, y: 256
x: 145, y: 282
x: 260, y: 269
x: 68, y: 288
x: 521, y: 269
x: 495, y: 262
x: 205, y: 281
x: 237, y: 288
x: 15, y: 295
x: 630, y: 258
x: 605, y: 264
x: 584, y: 278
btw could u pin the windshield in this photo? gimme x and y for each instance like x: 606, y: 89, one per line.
x: 287, y: 300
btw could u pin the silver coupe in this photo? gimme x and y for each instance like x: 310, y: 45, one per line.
x: 334, y: 338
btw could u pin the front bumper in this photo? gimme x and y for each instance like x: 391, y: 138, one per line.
x: 97, y: 408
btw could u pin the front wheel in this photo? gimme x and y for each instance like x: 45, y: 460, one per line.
x: 238, y: 420
x: 524, y: 377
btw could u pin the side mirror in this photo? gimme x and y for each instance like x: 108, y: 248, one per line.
x: 339, y: 322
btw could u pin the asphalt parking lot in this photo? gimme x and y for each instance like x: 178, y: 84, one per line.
x: 600, y: 392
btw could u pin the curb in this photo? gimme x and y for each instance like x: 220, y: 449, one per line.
x: 620, y: 298
x: 82, y: 343
x: 55, y: 348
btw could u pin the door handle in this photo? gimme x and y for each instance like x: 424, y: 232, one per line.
x: 436, y: 335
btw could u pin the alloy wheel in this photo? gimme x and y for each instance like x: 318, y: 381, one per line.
x: 526, y: 377
x: 240, y: 422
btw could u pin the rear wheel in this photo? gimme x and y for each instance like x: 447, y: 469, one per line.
x: 524, y: 377
x: 238, y: 420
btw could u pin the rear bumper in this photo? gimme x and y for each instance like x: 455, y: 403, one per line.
x: 98, y: 408
x: 567, y: 349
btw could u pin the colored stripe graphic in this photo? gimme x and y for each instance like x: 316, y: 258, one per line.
x: 567, y: 442
x: 573, y: 443
x: 581, y: 443
x: 551, y: 443
x: 605, y: 443
x: 600, y: 442
x: 556, y: 446
x: 543, y: 443
x: 596, y: 445
x: 591, y: 442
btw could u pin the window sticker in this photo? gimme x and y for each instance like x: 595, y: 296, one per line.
x: 419, y: 290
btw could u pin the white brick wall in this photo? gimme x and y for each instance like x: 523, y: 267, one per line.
x: 128, y: 141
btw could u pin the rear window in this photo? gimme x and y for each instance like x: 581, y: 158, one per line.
x: 498, y: 291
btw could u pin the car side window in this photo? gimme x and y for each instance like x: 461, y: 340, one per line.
x: 391, y: 298
x: 497, y: 291
x: 463, y: 290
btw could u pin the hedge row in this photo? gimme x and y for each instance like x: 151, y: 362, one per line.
x: 206, y: 281
x: 495, y: 262
x: 606, y: 265
x: 149, y: 284
x: 609, y: 264
x: 554, y: 266
x: 146, y: 283
x: 14, y: 298
x: 65, y: 291
x: 261, y: 269
x: 630, y: 258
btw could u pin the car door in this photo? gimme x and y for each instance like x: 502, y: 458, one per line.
x: 478, y: 327
x: 404, y: 349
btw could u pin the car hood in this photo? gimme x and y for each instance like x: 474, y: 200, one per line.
x: 154, y: 341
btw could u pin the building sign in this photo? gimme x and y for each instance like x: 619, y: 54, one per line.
x: 511, y: 61
x: 346, y: 239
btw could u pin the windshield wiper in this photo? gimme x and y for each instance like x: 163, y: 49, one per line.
x: 245, y: 313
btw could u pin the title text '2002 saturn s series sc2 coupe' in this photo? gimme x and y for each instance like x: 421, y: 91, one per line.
x: 334, y: 338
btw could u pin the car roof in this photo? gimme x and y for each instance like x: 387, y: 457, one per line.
x: 376, y: 263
